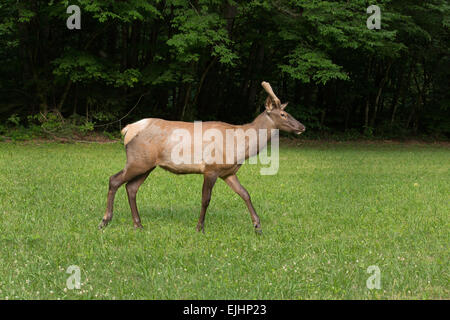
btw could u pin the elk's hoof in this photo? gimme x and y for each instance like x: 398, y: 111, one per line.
x: 258, y: 231
x: 138, y: 226
x: 103, y: 224
x: 201, y: 229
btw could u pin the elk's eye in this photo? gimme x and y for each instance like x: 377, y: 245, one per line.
x: 283, y: 115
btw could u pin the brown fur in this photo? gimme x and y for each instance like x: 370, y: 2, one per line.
x: 148, y: 145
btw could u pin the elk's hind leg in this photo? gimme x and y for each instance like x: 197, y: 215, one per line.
x: 234, y: 184
x: 115, y: 181
x: 132, y: 189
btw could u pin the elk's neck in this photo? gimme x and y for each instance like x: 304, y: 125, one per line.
x: 261, y: 122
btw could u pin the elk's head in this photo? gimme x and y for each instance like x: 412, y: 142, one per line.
x: 275, y: 111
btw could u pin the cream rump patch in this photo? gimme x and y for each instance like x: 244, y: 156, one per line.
x: 131, y: 130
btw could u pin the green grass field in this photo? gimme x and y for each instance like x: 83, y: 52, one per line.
x: 332, y: 211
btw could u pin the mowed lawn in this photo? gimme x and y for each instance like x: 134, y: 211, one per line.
x: 333, y: 210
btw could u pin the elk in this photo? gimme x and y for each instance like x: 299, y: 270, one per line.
x: 148, y: 144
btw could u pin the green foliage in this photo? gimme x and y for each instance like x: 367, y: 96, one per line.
x: 80, y: 67
x: 200, y: 29
x: 112, y: 136
x: 50, y: 125
x: 53, y: 124
x: 14, y: 119
x: 204, y: 59
x: 306, y: 65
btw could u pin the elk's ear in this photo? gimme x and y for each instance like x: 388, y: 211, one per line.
x: 269, y: 105
x: 284, y: 105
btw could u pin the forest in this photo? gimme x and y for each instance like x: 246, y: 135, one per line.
x: 205, y: 60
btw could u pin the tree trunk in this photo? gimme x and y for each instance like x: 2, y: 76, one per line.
x: 186, y: 101
x: 254, y: 83
x: 348, y: 111
x: 366, y: 114
x: 248, y: 71
x: 202, y: 79
x: 380, y: 91
x: 397, y: 93
x: 64, y: 95
x: 367, y: 108
x: 75, y: 100
x: 124, y: 46
x: 134, y: 40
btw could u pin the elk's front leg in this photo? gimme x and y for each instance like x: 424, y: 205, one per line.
x: 234, y: 184
x: 208, y: 183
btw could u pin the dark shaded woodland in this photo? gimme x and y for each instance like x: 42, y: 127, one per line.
x: 205, y: 60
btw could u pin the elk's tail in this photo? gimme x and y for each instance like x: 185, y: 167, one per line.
x: 131, y: 130
x: 124, y: 130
